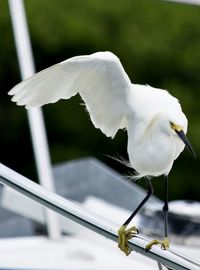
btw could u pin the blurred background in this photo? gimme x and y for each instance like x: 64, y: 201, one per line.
x: 158, y: 44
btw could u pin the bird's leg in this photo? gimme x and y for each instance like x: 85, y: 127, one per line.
x: 165, y: 243
x: 126, y: 234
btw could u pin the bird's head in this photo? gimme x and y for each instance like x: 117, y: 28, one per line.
x: 177, y: 126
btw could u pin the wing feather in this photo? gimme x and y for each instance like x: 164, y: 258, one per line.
x: 100, y: 80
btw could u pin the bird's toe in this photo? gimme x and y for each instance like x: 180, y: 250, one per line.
x: 164, y: 244
x: 123, y: 236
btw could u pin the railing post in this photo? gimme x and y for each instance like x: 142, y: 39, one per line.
x: 35, y: 117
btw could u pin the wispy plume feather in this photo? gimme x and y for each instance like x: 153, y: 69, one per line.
x: 131, y: 175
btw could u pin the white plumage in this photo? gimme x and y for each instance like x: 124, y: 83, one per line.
x: 151, y: 116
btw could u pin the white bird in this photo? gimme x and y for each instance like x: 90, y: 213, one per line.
x: 154, y: 121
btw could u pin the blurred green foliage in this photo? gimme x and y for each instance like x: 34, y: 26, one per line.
x: 158, y: 43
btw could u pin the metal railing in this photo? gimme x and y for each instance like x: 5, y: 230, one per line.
x: 66, y: 208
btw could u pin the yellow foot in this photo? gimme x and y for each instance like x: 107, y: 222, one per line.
x: 164, y: 244
x: 123, y: 237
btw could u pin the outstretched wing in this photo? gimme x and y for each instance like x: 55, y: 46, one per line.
x: 100, y: 80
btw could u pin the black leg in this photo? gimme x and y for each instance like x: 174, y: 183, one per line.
x: 126, y: 234
x: 165, y: 207
x: 149, y: 193
x: 165, y: 243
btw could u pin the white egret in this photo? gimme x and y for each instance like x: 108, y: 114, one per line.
x: 154, y: 121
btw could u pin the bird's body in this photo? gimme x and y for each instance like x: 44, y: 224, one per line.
x: 113, y: 102
x: 153, y: 118
x: 149, y: 153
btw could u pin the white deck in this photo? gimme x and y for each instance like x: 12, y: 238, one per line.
x: 92, y: 252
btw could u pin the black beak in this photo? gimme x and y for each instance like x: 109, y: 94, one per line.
x: 183, y: 137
